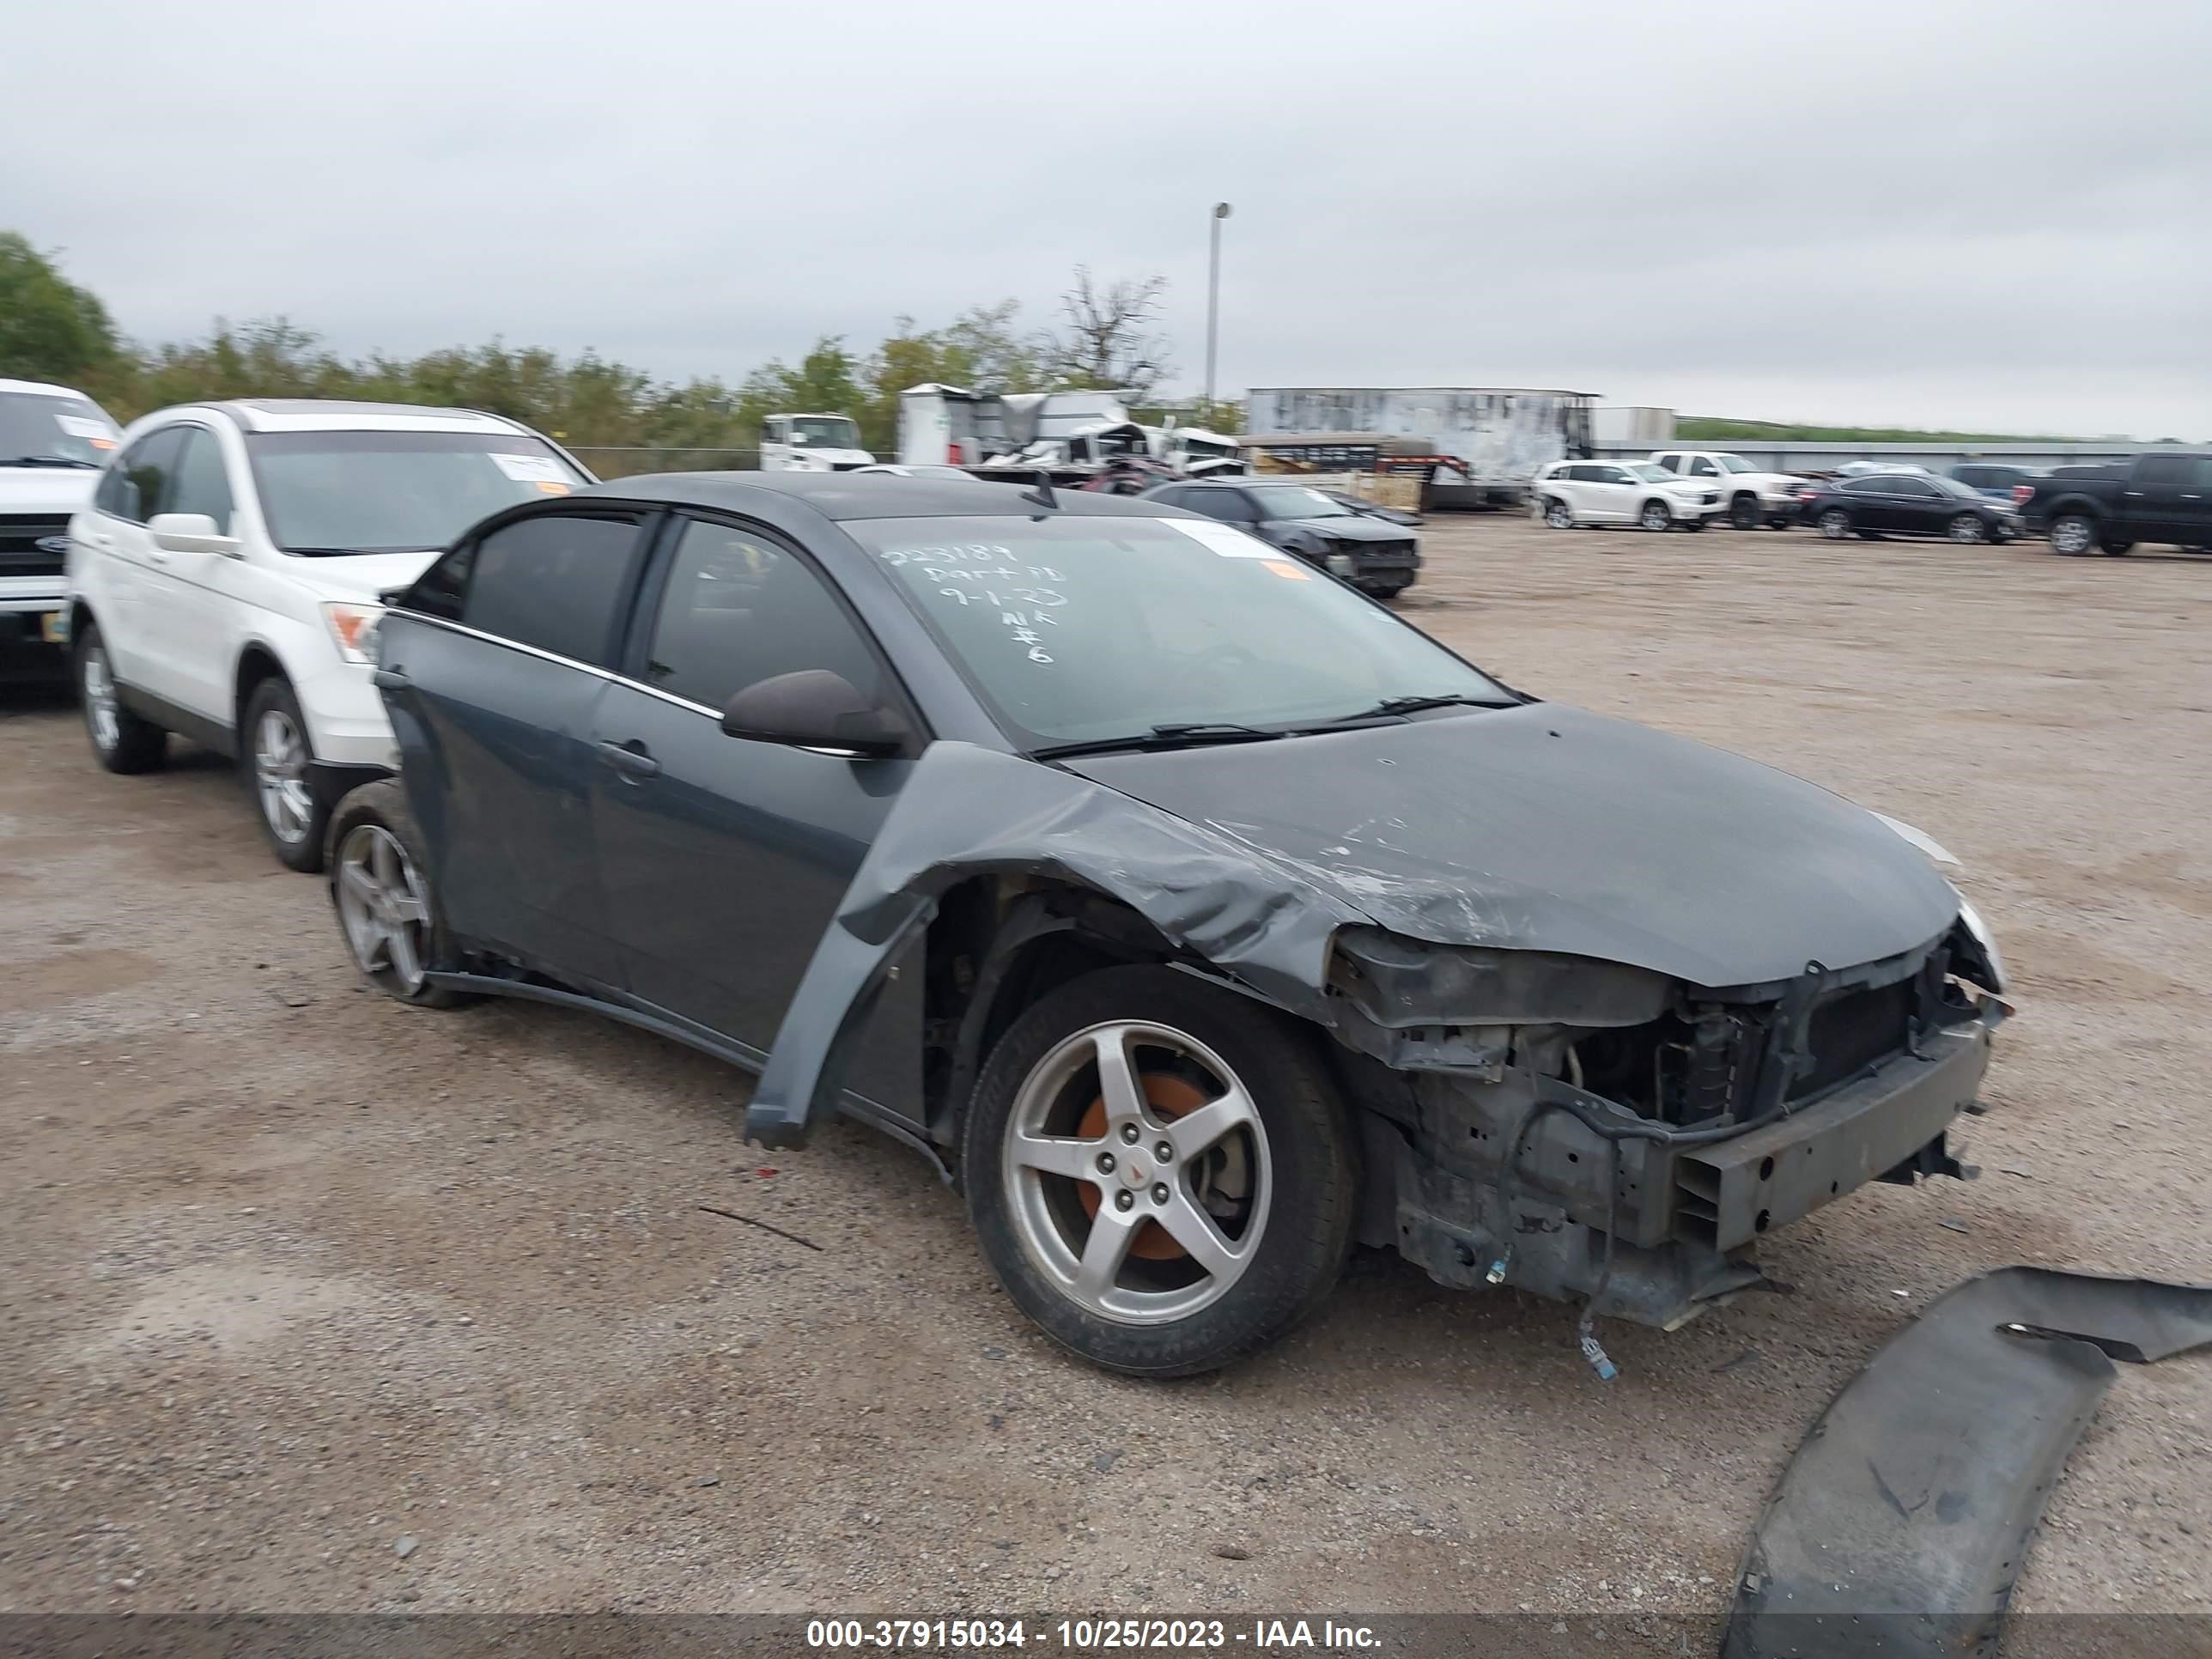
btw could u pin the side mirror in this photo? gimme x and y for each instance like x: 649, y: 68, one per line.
x: 189, y: 532
x: 815, y: 708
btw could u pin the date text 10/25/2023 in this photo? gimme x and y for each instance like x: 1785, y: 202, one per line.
x: 1089, y: 1635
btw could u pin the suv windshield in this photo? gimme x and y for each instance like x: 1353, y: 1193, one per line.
x: 825, y: 431
x: 1296, y: 501
x: 394, y: 492
x: 1078, y: 629
x: 1734, y: 464
x: 42, y: 428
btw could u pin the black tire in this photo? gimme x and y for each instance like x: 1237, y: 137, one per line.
x: 1558, y: 515
x: 1695, y: 524
x: 1387, y: 591
x: 2118, y: 548
x: 295, y: 816
x: 1781, y: 521
x: 121, y: 741
x: 1307, y: 1160
x: 2076, y: 535
x: 1745, y: 512
x: 1967, y: 529
x: 1655, y: 515
x: 381, y: 807
x: 1834, y: 523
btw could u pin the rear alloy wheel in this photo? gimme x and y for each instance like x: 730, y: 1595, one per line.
x: 1744, y: 511
x: 1835, y: 523
x: 383, y: 898
x: 121, y: 741
x: 1966, y: 527
x: 280, y: 767
x: 2074, y: 534
x: 1158, y: 1170
x: 1655, y: 516
x: 1557, y: 515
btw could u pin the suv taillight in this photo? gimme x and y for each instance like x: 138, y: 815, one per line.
x: 2022, y: 494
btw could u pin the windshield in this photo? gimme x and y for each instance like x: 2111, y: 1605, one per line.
x: 394, y: 492
x: 1080, y: 628
x: 825, y: 431
x: 1734, y: 464
x: 1651, y: 474
x: 41, y: 428
x: 1296, y: 501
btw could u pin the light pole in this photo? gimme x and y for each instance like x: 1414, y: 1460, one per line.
x: 1213, y: 295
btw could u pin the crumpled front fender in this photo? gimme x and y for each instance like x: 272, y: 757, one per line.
x: 967, y: 811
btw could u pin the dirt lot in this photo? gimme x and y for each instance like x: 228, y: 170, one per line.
x: 289, y: 1274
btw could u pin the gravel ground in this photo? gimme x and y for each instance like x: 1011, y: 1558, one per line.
x: 311, y: 1302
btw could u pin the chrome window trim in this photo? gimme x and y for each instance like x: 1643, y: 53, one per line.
x: 592, y: 669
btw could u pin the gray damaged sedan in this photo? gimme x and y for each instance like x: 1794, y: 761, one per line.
x: 1193, y: 914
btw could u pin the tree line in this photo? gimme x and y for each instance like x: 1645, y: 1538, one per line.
x: 1105, y: 335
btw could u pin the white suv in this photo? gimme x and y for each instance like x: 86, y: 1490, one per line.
x: 1752, y: 497
x: 1569, y: 493
x: 52, y: 442
x: 224, y: 582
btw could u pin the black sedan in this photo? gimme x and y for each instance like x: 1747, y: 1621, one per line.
x: 1374, y: 555
x: 1195, y: 914
x: 1875, y: 504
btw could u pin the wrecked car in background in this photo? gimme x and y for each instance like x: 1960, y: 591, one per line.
x: 1195, y: 913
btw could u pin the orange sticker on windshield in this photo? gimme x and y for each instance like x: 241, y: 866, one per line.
x: 552, y: 489
x: 1284, y: 568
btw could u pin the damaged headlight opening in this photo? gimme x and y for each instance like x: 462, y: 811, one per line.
x: 1551, y: 1108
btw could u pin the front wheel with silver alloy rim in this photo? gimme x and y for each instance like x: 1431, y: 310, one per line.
x: 1835, y: 523
x: 380, y: 889
x: 1966, y: 527
x: 1557, y: 515
x: 1160, y: 1170
x: 2074, y: 534
x: 1655, y: 515
x: 279, y: 769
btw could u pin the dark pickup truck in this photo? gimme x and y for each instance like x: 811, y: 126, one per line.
x: 2153, y: 498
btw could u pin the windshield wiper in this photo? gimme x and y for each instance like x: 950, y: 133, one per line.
x: 1390, y: 706
x: 49, y: 460
x: 1178, y: 734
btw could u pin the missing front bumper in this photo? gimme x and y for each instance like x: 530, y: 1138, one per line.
x: 1685, y: 1220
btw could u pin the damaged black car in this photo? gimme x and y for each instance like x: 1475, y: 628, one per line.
x: 1197, y: 916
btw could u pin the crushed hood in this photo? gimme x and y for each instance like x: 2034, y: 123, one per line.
x: 1352, y: 528
x: 1550, y: 828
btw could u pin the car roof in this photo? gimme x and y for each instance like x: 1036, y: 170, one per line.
x: 345, y: 414
x: 42, y: 389
x: 843, y: 495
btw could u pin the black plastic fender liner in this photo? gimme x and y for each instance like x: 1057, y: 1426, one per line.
x: 966, y: 811
x: 1901, y: 1523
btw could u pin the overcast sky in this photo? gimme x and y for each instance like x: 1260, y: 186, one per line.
x: 1996, y: 215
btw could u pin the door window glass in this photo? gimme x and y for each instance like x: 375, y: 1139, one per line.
x: 1611, y: 475
x: 1918, y: 488
x: 1227, y: 504
x: 558, y: 581
x: 1672, y: 463
x: 143, y: 474
x: 1703, y: 468
x: 738, y: 608
x: 201, y: 484
x: 2162, y: 471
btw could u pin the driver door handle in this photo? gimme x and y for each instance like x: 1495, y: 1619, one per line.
x: 632, y: 759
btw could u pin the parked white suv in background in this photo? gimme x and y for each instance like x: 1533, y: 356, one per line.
x: 1569, y: 493
x: 53, y: 441
x: 1749, y: 496
x: 224, y: 582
